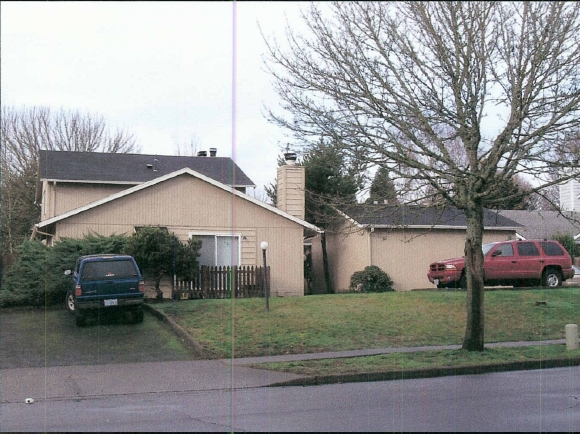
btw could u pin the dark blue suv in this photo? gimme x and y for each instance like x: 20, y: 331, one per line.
x: 108, y: 282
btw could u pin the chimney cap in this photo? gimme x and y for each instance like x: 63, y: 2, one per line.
x: 212, y: 152
x: 290, y: 158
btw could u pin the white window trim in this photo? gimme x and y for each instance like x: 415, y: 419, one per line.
x: 221, y: 234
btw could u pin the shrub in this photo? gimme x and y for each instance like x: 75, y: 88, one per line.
x: 157, y: 252
x: 25, y: 281
x: 569, y: 243
x: 36, y: 278
x: 371, y: 279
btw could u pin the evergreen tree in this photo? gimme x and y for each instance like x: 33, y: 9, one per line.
x: 383, y: 188
x: 329, y: 183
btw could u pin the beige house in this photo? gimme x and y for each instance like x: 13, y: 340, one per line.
x: 401, y: 240
x: 230, y: 223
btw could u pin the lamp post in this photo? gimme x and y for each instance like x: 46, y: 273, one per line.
x: 264, y: 247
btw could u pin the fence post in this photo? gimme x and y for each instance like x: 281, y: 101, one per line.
x: 204, y: 281
x: 264, y: 247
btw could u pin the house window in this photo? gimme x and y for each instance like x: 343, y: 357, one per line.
x: 218, y: 250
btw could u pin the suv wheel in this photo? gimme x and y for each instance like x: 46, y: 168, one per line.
x: 136, y: 316
x: 551, y: 278
x: 70, y: 301
x: 140, y: 315
x: 462, y: 282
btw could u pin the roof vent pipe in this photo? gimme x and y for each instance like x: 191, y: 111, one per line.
x: 290, y: 158
x: 212, y: 152
x: 202, y: 154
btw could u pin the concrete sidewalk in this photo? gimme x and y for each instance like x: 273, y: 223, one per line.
x: 90, y: 381
x: 373, y: 352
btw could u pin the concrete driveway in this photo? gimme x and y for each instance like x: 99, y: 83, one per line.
x: 49, y: 337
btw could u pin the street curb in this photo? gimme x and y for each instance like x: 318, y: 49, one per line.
x: 187, y: 339
x: 430, y: 372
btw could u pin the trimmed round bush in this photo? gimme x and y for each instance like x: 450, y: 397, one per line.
x: 371, y: 279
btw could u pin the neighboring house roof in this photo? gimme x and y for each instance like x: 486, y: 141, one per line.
x: 397, y: 216
x: 544, y: 224
x: 184, y: 171
x: 117, y: 168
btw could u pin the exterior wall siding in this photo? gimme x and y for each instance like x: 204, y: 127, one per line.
x: 186, y: 204
x: 346, y: 254
x: 404, y: 255
x: 569, y: 195
x: 64, y: 196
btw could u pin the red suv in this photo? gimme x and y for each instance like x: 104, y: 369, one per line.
x: 517, y: 263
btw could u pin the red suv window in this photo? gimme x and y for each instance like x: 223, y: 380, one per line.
x: 528, y: 249
x: 504, y: 250
x: 551, y: 249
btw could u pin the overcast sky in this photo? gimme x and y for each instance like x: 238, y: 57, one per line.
x: 166, y: 72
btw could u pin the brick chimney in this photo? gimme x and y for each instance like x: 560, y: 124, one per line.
x: 291, y: 187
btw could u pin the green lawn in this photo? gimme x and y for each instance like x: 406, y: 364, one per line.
x: 242, y: 328
x: 422, y: 360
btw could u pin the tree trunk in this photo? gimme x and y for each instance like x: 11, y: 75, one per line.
x: 158, y: 289
x: 329, y: 289
x: 474, y: 333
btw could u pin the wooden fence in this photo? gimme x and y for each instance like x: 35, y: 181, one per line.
x: 222, y: 282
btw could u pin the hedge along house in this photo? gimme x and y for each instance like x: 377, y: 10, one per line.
x: 230, y: 223
x: 401, y: 240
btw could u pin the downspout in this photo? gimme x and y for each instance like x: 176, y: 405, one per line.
x: 370, y: 246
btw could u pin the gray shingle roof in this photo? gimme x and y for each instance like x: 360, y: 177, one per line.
x: 133, y: 168
x: 544, y: 224
x: 419, y: 216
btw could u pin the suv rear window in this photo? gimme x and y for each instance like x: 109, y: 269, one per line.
x: 108, y: 270
x: 551, y: 249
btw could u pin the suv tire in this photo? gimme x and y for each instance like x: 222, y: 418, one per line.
x: 551, y: 278
x: 461, y: 283
x: 135, y: 316
x: 81, y: 320
x: 139, y: 316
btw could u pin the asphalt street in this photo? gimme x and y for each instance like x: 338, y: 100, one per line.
x: 537, y: 400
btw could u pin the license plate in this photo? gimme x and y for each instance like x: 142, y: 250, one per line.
x: 436, y: 281
x: 112, y: 302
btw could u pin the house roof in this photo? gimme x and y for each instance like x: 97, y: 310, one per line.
x: 396, y: 216
x: 184, y: 171
x: 544, y: 224
x: 117, y: 168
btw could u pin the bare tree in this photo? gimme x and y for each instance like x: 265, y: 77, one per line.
x: 188, y: 149
x: 23, y: 133
x: 384, y: 79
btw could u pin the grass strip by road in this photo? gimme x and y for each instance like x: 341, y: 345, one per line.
x: 401, y: 362
x: 297, y: 325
